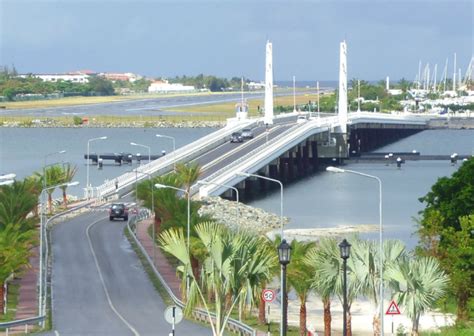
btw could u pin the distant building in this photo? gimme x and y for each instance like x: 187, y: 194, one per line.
x: 256, y: 86
x: 126, y: 77
x: 164, y: 86
x: 75, y: 78
x: 395, y: 92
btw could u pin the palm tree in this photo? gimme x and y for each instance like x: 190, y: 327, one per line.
x: 15, y: 251
x: 417, y: 284
x: 68, y: 174
x: 221, y: 270
x: 16, y: 202
x: 52, y: 176
x: 188, y: 174
x: 365, y: 264
x: 325, y: 261
x: 300, y: 276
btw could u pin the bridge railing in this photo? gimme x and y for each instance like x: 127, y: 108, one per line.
x: 199, y: 314
x: 165, y: 163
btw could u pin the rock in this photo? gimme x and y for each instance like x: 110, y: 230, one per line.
x: 239, y: 216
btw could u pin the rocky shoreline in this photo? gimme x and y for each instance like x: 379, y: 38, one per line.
x: 239, y: 216
x: 135, y: 124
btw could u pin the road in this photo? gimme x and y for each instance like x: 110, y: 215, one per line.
x: 99, y: 286
x: 143, y: 107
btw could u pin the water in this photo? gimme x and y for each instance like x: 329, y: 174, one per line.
x: 322, y: 200
x: 23, y: 150
x: 328, y: 199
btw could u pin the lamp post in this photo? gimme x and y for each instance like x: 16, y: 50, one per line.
x: 222, y: 185
x: 145, y: 146
x: 345, y: 249
x: 281, y: 194
x: 41, y: 272
x: 88, y: 158
x: 161, y: 186
x: 284, y: 255
x: 381, y: 257
x: 174, y: 147
x: 152, y: 206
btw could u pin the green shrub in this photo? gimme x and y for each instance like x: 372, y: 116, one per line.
x: 77, y: 120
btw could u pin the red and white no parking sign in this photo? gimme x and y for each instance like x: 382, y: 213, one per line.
x: 268, y: 295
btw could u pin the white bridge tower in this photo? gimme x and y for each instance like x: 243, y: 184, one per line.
x: 342, y: 104
x: 269, y: 85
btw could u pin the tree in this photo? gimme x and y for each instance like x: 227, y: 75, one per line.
x: 222, y: 269
x: 69, y: 172
x: 417, y: 284
x: 365, y: 265
x: 53, y: 176
x: 15, y: 245
x: 188, y: 174
x: 100, y: 86
x: 448, y: 202
x: 16, y: 202
x: 299, y: 275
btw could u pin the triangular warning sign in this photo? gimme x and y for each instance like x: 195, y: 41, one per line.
x: 393, y: 309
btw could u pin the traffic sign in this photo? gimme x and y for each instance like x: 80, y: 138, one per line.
x: 268, y: 295
x: 173, y: 315
x: 393, y: 309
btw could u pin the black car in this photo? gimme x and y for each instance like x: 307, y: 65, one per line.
x: 118, y: 210
x: 236, y: 137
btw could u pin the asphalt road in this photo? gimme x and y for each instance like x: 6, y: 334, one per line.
x: 99, y: 286
x: 139, y: 107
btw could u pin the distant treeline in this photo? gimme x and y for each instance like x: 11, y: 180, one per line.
x: 212, y: 83
x: 12, y: 85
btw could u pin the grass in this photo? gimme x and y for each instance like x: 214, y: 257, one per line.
x: 229, y: 107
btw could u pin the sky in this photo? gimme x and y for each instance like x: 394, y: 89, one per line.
x: 227, y: 38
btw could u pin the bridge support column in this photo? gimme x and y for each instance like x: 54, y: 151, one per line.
x: 314, y: 155
x: 291, y: 165
x: 273, y: 171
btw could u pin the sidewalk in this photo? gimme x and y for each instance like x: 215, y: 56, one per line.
x: 167, y: 271
x: 28, y: 299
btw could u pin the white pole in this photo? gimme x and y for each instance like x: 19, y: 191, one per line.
x: 317, y: 88
x: 294, y: 94
x: 454, y: 74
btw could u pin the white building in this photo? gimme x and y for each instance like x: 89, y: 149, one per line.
x: 75, y: 78
x: 164, y: 86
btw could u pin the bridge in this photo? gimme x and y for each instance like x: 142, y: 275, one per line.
x: 286, y: 146
x: 284, y: 150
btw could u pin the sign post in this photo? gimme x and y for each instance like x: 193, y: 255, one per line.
x: 173, y: 315
x: 268, y: 295
x: 393, y: 310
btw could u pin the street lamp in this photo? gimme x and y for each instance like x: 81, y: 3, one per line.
x: 281, y: 194
x: 339, y: 170
x: 41, y: 272
x: 222, y: 185
x: 174, y: 147
x: 162, y: 186
x: 345, y: 249
x: 145, y: 146
x: 88, y: 159
x: 152, y: 205
x: 6, y: 182
x: 284, y: 256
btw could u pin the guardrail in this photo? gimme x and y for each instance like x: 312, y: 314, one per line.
x: 199, y: 314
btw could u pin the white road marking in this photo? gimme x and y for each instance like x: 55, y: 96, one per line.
x: 129, y: 326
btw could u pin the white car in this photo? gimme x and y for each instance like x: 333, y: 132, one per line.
x: 301, y: 120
